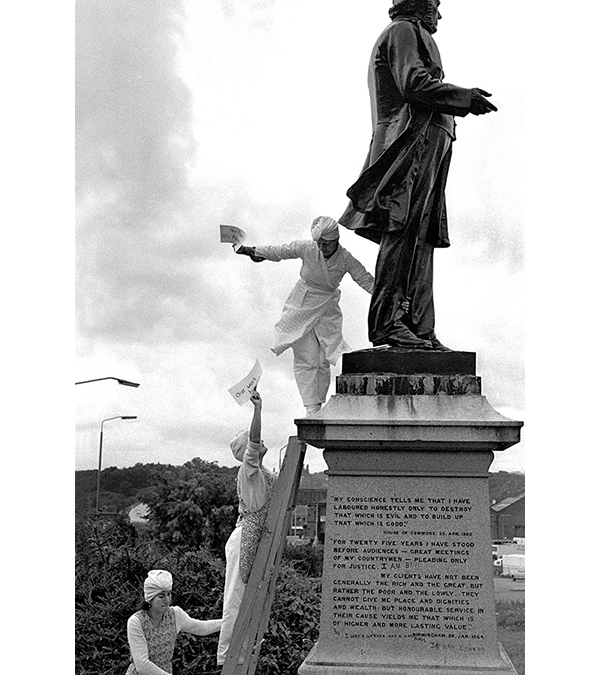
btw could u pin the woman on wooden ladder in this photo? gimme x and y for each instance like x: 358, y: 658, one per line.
x: 255, y: 488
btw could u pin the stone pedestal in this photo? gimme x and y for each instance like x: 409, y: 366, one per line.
x: 407, y: 578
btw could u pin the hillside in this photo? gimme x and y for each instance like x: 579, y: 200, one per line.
x: 121, y: 488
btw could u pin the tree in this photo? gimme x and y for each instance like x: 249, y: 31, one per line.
x: 195, y: 506
x: 506, y: 484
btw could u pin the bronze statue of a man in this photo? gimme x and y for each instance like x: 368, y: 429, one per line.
x: 398, y: 200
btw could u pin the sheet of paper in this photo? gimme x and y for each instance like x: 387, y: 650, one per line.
x: 242, y: 391
x: 232, y: 235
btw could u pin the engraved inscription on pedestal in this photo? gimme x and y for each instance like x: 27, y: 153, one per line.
x: 405, y: 571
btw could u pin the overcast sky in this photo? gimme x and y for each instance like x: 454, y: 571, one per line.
x: 256, y: 114
x: 194, y: 114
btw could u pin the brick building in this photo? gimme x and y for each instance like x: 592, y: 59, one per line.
x: 508, y: 518
x: 308, y: 517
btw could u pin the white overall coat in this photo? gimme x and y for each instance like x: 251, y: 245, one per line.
x: 313, y: 303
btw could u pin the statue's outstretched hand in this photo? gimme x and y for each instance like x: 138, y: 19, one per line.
x: 250, y: 251
x: 479, y: 103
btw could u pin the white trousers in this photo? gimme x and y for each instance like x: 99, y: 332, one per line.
x: 233, y: 593
x: 311, y: 369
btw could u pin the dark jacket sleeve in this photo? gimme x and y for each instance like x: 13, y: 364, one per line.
x: 415, y: 83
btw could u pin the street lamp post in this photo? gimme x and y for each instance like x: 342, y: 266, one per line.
x: 117, y: 417
x: 120, y: 380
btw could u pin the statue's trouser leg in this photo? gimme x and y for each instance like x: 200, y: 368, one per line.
x: 311, y: 369
x: 233, y: 593
x: 393, y: 265
x: 404, y: 268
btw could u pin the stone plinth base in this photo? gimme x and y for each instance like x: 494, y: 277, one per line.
x: 407, y: 571
x: 315, y: 665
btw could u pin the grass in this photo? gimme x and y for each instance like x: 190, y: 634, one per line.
x: 510, y: 617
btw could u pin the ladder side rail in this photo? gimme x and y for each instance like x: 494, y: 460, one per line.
x: 261, y: 618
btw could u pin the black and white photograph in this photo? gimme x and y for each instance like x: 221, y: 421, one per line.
x: 304, y: 248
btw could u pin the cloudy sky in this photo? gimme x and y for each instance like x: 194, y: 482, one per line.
x: 256, y: 114
x: 195, y: 113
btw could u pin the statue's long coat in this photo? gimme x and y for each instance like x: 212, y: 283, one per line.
x: 398, y: 200
x: 407, y: 95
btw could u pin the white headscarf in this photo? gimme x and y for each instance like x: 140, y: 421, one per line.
x: 239, y: 444
x: 156, y: 582
x: 324, y: 227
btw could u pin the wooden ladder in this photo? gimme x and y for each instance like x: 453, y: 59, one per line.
x: 253, y: 617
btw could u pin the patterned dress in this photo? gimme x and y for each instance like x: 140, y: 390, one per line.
x: 252, y: 526
x: 161, y: 640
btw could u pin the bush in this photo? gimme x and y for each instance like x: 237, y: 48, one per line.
x: 112, y: 562
x: 510, y: 615
x: 307, y: 559
x: 510, y: 618
x: 111, y: 565
x: 294, y: 625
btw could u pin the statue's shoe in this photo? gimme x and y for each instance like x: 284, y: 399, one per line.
x: 437, y: 346
x: 404, y: 338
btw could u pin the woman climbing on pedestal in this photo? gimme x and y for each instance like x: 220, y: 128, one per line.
x: 311, y: 321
